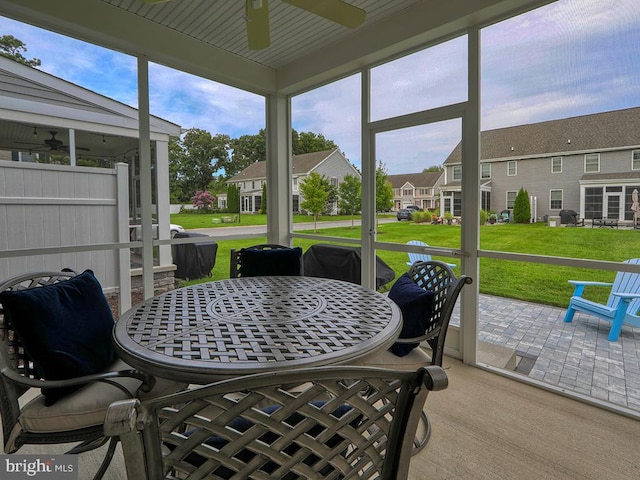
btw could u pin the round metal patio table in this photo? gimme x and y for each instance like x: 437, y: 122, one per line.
x: 228, y: 328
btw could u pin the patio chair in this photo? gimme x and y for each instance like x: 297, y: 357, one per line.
x: 430, y: 318
x: 297, y: 424
x: 622, y: 306
x: 265, y: 260
x: 76, y: 413
x: 421, y: 257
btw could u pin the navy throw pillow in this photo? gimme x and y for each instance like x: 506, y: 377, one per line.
x: 273, y: 262
x: 416, y: 305
x: 65, y: 327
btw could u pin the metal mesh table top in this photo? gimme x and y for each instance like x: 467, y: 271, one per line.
x: 247, y: 325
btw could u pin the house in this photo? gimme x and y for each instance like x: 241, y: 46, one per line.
x: 589, y: 163
x: 419, y: 189
x: 52, y: 130
x: 329, y: 163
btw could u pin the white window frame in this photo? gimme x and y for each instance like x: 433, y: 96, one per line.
x: 551, y: 192
x: 457, y: 172
x: 554, y: 164
x: 635, y: 160
x: 515, y: 194
x: 484, y: 166
x: 590, y: 156
x: 513, y: 163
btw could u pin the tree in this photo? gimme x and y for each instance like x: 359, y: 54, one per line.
x: 308, y: 142
x: 193, y: 161
x: 433, y: 168
x: 317, y: 191
x: 263, y: 202
x: 384, y: 190
x: 12, y: 48
x: 233, y: 198
x: 522, y: 207
x: 203, y: 200
x: 350, y: 194
x: 247, y: 149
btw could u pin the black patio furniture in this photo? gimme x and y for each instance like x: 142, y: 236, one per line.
x: 604, y: 222
x: 325, y: 422
x: 428, y: 294
x: 194, y: 260
x: 55, y: 335
x: 268, y: 259
x: 342, y: 263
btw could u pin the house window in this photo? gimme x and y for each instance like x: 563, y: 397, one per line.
x: 424, y: 191
x: 555, y: 199
x: 295, y: 184
x: 635, y: 160
x: 485, y: 203
x: 593, y: 202
x: 512, y: 168
x: 457, y: 172
x: 556, y: 164
x: 407, y: 192
x: 592, y: 163
x: 253, y: 185
x: 334, y: 181
x: 485, y: 170
x: 511, y: 199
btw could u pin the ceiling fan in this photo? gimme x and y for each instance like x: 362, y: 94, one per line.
x: 257, y: 16
x: 55, y: 145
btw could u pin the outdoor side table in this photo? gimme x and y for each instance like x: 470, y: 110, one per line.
x: 227, y: 328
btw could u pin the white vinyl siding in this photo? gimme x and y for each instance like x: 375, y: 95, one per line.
x: 556, y: 164
x: 592, y: 163
x: 512, y: 168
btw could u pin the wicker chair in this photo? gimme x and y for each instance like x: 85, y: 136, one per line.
x: 78, y: 417
x: 437, y: 277
x: 319, y: 426
x: 236, y: 263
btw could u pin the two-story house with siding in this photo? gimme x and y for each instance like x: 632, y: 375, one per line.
x: 420, y: 189
x: 329, y: 163
x: 590, y: 164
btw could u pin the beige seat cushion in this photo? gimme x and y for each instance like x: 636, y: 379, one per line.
x: 415, y: 359
x: 85, y: 407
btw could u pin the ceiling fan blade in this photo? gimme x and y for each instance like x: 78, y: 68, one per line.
x: 258, y: 24
x: 335, y: 10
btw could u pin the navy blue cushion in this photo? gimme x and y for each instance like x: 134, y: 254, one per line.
x: 272, y: 262
x: 416, y: 305
x: 65, y: 327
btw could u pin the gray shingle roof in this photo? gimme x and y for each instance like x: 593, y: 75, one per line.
x: 302, y: 164
x: 419, y: 180
x: 598, y: 131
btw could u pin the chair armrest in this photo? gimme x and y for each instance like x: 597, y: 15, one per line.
x: 435, y: 378
x: 626, y: 296
x: 590, y: 284
x: 18, y: 379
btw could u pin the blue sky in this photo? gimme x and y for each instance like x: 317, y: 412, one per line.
x: 572, y: 57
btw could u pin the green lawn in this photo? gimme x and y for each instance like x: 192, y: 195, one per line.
x: 195, y: 220
x: 525, y: 281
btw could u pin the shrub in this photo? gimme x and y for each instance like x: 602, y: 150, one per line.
x: 203, y: 200
x: 522, y: 207
x: 484, y: 216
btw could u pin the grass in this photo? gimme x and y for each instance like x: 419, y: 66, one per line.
x: 537, y: 283
x: 196, y: 220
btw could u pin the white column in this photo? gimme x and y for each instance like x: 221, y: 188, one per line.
x: 124, y: 254
x: 162, y: 199
x: 279, y: 202
x: 471, y: 203
x: 144, y: 148
x: 72, y: 147
x: 368, y: 188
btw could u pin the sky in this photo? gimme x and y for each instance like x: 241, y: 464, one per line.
x: 573, y: 57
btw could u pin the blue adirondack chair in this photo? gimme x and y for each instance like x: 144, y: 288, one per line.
x: 423, y: 257
x: 623, y: 304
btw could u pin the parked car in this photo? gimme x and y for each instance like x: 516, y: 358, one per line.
x: 405, y: 213
x: 173, y: 228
